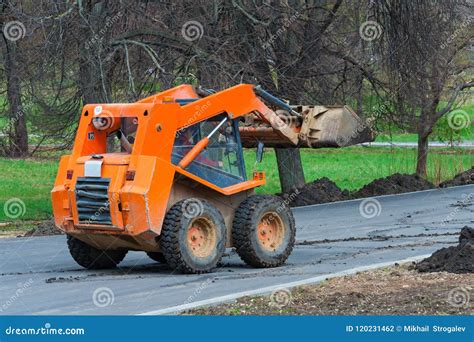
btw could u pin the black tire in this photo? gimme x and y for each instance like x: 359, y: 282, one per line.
x: 193, y: 236
x: 92, y: 258
x: 272, y: 213
x: 157, y: 256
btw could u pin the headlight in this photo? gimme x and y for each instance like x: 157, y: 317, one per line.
x: 102, y: 124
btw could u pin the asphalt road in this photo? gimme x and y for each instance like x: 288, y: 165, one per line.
x: 37, y: 275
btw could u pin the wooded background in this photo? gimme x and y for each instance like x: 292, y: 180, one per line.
x: 405, y: 63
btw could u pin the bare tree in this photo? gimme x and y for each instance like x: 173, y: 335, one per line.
x: 423, y: 54
x: 307, y: 52
x: 275, y: 44
x: 297, y: 50
x: 17, y: 145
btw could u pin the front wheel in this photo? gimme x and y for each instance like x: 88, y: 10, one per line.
x: 263, y: 231
x: 92, y: 258
x: 193, y: 236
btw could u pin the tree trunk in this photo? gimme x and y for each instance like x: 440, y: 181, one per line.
x: 289, y: 168
x: 289, y: 164
x: 422, y: 154
x: 19, y: 135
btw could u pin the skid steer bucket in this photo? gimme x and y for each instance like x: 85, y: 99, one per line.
x: 332, y: 126
x: 307, y: 126
x: 315, y: 127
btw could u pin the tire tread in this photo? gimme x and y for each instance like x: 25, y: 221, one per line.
x: 242, y: 231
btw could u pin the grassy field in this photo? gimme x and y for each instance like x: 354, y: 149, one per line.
x: 441, y: 126
x: 31, y: 180
x: 353, y: 167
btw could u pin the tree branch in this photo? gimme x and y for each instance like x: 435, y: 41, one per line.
x: 453, y: 98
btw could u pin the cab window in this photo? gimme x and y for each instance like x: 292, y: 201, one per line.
x: 221, y: 162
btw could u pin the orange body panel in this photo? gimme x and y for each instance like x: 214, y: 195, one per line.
x: 140, y: 182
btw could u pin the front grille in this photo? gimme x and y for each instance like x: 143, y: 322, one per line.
x: 92, y: 200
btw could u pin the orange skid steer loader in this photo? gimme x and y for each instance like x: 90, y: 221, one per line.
x: 166, y: 175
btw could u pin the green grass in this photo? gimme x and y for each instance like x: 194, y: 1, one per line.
x: 398, y: 136
x: 31, y: 180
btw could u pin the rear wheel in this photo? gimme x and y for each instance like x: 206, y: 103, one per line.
x: 93, y: 258
x: 193, y: 236
x: 157, y: 256
x: 263, y: 231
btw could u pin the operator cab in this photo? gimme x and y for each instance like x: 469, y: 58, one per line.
x: 221, y: 163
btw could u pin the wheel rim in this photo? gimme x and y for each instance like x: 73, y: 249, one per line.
x: 271, y: 231
x: 201, y: 237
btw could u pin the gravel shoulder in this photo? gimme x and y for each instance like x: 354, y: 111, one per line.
x: 397, y: 290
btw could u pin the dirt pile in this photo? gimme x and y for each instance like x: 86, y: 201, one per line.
x: 45, y: 228
x: 393, y: 184
x: 324, y: 190
x: 454, y: 259
x: 321, y: 190
x: 463, y: 178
